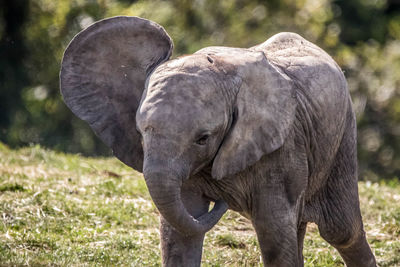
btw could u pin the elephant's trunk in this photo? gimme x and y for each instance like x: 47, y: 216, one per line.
x: 165, y: 190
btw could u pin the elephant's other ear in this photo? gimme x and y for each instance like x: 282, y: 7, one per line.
x: 103, y: 75
x: 265, y: 111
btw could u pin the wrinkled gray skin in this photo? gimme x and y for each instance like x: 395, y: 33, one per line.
x: 267, y: 131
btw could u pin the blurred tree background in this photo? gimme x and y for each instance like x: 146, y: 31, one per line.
x: 363, y: 36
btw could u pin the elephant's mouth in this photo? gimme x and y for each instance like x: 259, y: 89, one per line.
x: 166, y: 194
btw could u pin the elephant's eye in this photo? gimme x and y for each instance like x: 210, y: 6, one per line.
x: 203, y: 139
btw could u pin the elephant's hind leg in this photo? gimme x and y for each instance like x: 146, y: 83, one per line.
x: 341, y: 225
x: 340, y: 221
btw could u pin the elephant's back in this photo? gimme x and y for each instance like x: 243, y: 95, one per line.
x: 310, y: 67
x: 322, y: 94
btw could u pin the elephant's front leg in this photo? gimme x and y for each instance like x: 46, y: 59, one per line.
x: 179, y: 250
x: 277, y: 236
x: 275, y: 217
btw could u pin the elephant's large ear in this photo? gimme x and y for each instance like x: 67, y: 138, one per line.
x: 103, y: 75
x: 265, y: 110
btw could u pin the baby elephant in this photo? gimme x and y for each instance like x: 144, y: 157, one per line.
x: 267, y: 131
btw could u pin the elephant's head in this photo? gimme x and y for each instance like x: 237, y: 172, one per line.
x: 220, y: 107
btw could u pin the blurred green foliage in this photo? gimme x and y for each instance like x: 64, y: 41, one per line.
x: 363, y: 36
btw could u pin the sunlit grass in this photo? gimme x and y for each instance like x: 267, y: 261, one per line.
x: 68, y: 210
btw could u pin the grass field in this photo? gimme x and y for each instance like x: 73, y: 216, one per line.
x: 67, y: 210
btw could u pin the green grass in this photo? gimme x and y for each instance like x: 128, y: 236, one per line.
x: 66, y: 210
